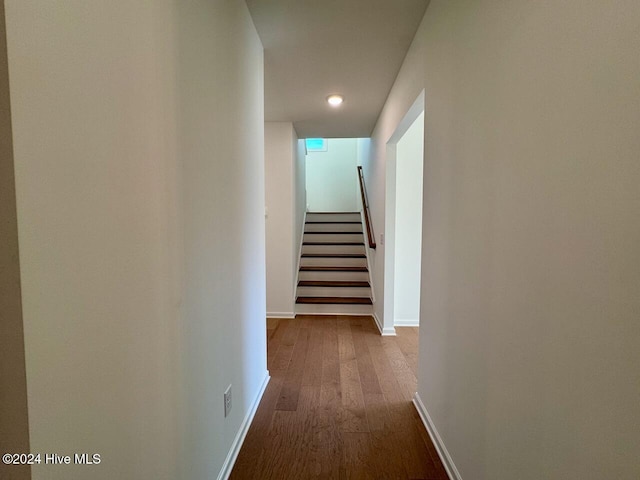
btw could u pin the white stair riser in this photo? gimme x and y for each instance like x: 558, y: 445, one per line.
x: 333, y: 249
x: 346, y: 276
x: 324, y: 309
x: 333, y: 227
x: 334, y: 292
x: 333, y: 262
x: 332, y: 217
x: 329, y: 237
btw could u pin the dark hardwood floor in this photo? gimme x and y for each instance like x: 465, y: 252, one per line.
x: 338, y: 405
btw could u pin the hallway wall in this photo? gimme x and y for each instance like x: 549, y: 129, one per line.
x: 14, y: 421
x: 332, y: 177
x: 221, y: 86
x: 141, y: 227
x: 300, y: 199
x: 285, y: 201
x: 529, y: 337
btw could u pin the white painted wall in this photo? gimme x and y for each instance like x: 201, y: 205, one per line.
x: 222, y: 107
x: 141, y: 227
x: 408, y: 225
x: 362, y: 149
x: 300, y: 197
x: 332, y: 177
x: 285, y: 201
x: 529, y: 338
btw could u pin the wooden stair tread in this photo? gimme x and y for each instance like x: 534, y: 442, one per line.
x: 319, y: 268
x: 335, y: 300
x: 339, y: 222
x: 333, y: 213
x: 332, y: 243
x: 334, y: 255
x: 334, y: 233
x: 332, y: 283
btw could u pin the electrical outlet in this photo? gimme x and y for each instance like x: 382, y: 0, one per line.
x: 227, y: 401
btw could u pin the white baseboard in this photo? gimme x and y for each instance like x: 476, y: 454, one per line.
x: 447, y: 461
x: 230, y: 461
x: 281, y: 315
x: 385, y: 332
x: 330, y: 313
x: 407, y: 322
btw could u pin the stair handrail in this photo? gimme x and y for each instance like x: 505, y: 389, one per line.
x: 367, y: 213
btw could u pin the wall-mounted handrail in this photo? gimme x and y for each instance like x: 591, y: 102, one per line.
x: 367, y: 213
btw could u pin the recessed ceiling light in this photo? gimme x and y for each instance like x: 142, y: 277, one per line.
x: 335, y: 100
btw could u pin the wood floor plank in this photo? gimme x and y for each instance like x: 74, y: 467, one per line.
x: 312, y: 375
x: 440, y: 472
x: 272, y: 324
x: 407, y: 341
x: 288, y: 338
x: 330, y: 354
x: 328, y: 441
x: 330, y: 463
x: 330, y: 392
x: 377, y: 412
x: 277, y: 457
x: 305, y: 321
x: 257, y: 436
x: 274, y: 338
x: 397, y: 405
x: 368, y: 376
x: 358, y: 456
x: 346, y: 348
x: 295, y: 429
x: 293, y: 380
x: 308, y: 416
x: 384, y: 371
x: 329, y: 414
x: 414, y: 454
x: 385, y: 448
x: 354, y: 417
x: 290, y: 333
x: 406, y: 378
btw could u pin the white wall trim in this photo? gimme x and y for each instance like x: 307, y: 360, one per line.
x: 406, y: 322
x: 389, y: 235
x: 230, y: 461
x: 281, y: 315
x: 416, y: 108
x: 447, y: 461
x: 330, y: 313
x: 386, y: 331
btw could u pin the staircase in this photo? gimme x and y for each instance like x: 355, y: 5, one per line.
x: 333, y: 277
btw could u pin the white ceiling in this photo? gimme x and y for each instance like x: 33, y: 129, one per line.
x: 313, y: 48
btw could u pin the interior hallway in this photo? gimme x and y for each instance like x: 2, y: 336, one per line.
x: 338, y: 405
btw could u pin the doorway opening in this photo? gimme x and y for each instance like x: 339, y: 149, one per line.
x: 403, y: 219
